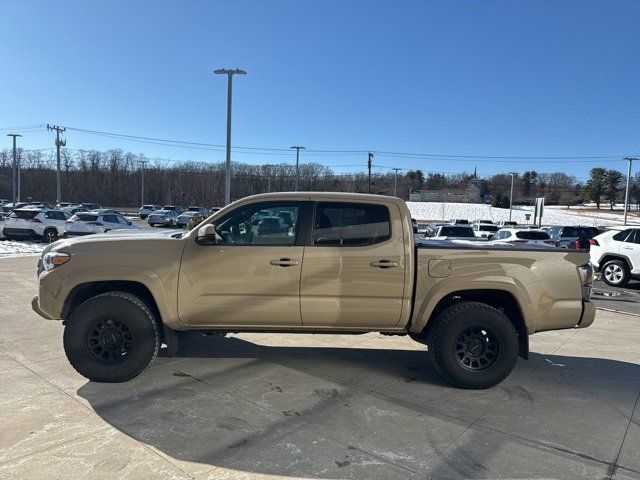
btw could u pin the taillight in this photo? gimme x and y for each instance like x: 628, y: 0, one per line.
x: 585, y: 272
x: 593, y: 241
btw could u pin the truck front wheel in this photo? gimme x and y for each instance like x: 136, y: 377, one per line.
x: 111, y: 337
x: 473, y: 345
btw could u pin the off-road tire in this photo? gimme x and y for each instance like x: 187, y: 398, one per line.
x: 447, y: 336
x: 620, y: 270
x: 119, y: 308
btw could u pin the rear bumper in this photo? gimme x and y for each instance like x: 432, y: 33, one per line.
x: 588, y: 314
x: 35, y: 306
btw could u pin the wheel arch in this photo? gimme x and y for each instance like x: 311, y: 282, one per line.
x: 501, y: 300
x: 84, y: 291
x: 615, y: 256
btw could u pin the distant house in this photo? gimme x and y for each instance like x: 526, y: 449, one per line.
x: 471, y: 194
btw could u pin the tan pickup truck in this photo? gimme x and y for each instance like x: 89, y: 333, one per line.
x: 308, y: 263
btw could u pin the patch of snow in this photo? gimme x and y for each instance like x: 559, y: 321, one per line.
x: 553, y: 215
x: 10, y: 248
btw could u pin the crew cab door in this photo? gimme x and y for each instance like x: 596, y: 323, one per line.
x: 251, y: 276
x: 353, y: 274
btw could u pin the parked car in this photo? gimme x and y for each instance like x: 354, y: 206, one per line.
x: 148, y: 209
x: 87, y: 223
x: 507, y: 223
x: 92, y: 206
x: 213, y: 210
x: 74, y: 208
x: 106, y: 210
x: 175, y: 208
x: 414, y: 225
x: 165, y: 218
x: 520, y: 236
x: 454, y: 232
x: 4, y: 201
x: 431, y: 228
x: 271, y: 225
x: 10, y: 207
x: 576, y: 237
x: 616, y: 254
x: 184, y: 218
x: 199, y: 210
x: 27, y: 222
x: 346, y: 266
x: 486, y: 222
x: 484, y: 230
x: 459, y: 221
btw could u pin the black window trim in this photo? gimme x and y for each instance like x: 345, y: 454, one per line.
x: 313, y: 222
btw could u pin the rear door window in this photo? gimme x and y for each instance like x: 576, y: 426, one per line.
x: 624, y: 235
x: 350, y: 224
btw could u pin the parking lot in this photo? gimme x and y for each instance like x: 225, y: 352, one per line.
x: 315, y: 406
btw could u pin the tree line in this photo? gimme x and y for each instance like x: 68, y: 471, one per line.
x: 113, y: 178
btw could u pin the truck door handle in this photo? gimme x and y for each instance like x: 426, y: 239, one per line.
x: 284, y: 262
x: 384, y: 264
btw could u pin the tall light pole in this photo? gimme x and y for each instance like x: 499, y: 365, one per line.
x: 511, y: 195
x: 269, y: 165
x: 59, y: 143
x: 15, y: 166
x: 143, y: 164
x: 227, y: 174
x: 297, y: 180
x: 395, y: 181
x: 626, y: 194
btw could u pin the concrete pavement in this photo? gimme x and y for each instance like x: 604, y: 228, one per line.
x: 315, y: 406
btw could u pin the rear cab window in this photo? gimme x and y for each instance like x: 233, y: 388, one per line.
x: 350, y: 224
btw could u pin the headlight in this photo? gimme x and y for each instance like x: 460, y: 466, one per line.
x: 51, y: 260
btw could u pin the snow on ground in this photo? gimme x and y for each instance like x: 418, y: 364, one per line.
x: 10, y: 248
x: 553, y: 215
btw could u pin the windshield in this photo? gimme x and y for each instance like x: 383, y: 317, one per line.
x: 580, y: 232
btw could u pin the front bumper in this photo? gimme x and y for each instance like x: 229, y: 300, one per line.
x: 35, y: 306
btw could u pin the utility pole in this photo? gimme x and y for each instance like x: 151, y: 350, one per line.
x: 626, y: 194
x: 14, y: 199
x: 227, y: 173
x: 268, y: 165
x: 395, y: 181
x: 59, y: 143
x: 297, y: 181
x: 511, y: 196
x: 369, y: 167
x: 143, y: 164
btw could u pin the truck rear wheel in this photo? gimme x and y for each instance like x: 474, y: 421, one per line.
x: 112, y: 337
x: 473, y: 345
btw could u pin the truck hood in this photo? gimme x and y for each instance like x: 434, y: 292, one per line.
x: 131, y: 237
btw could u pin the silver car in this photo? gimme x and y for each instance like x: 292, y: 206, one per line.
x: 164, y: 218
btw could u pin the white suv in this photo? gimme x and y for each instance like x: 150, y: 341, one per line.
x: 25, y: 223
x: 86, y: 223
x: 616, y: 254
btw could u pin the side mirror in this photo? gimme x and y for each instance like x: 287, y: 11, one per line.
x: 490, y: 237
x: 206, y: 235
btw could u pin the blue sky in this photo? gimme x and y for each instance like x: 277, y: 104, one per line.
x: 505, y: 78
